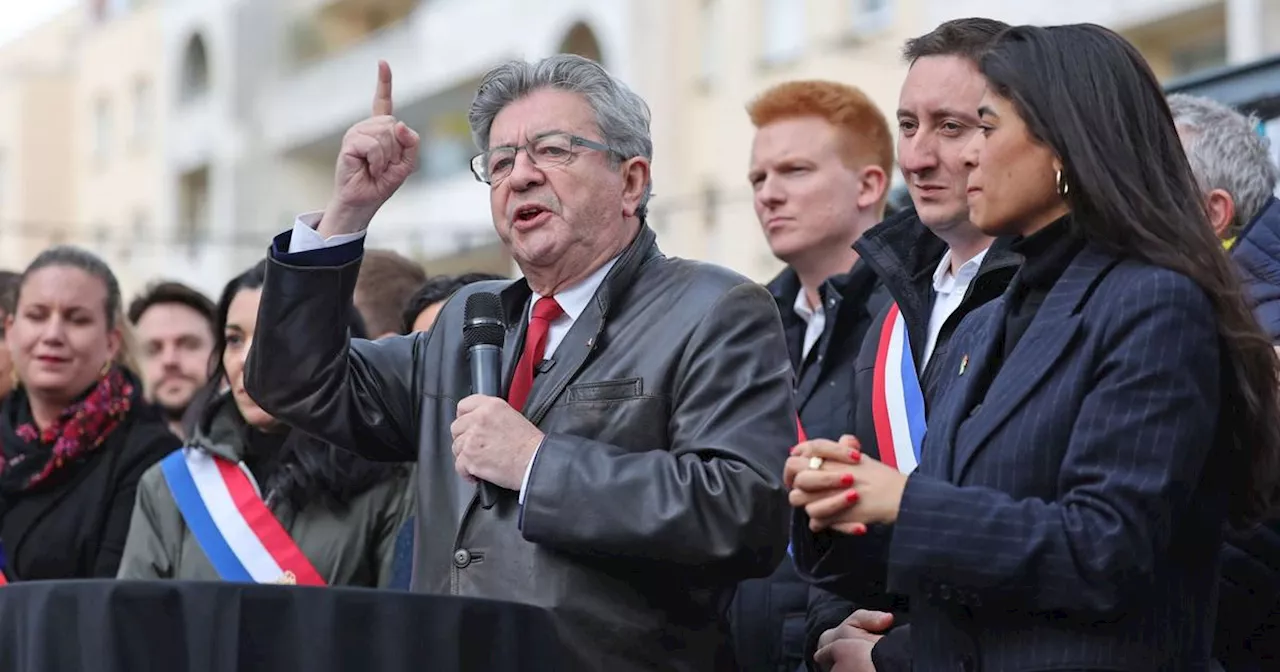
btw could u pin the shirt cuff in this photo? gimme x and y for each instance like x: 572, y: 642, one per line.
x: 305, y: 238
x: 303, y: 246
x: 524, y: 482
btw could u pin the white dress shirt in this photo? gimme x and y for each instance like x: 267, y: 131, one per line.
x: 950, y: 289
x: 815, y: 320
x: 573, y: 299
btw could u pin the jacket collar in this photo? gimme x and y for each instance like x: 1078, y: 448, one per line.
x: 221, y: 430
x: 1052, y: 331
x: 642, y: 248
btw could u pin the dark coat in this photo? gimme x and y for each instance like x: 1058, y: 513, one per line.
x: 1257, y: 252
x: 668, y: 415
x: 1067, y: 515
x: 768, y: 616
x: 75, y: 526
x: 904, y: 254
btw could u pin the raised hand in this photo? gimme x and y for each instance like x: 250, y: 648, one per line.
x: 377, y: 156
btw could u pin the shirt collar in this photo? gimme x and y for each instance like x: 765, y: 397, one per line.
x: 968, y: 270
x: 802, y: 307
x: 574, y: 298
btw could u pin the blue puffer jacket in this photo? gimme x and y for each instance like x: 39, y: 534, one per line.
x: 1257, y: 252
x: 1248, y: 628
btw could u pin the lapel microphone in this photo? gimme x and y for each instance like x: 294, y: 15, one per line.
x: 483, y: 331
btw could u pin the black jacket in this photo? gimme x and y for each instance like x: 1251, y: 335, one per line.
x: 768, y: 616
x: 904, y: 255
x: 658, y: 487
x: 75, y: 526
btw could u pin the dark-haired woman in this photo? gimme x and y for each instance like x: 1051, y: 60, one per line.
x: 1103, y: 419
x: 249, y: 500
x: 75, y: 435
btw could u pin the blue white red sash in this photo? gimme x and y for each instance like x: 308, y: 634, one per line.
x: 4, y: 564
x: 234, y: 527
x: 897, y: 401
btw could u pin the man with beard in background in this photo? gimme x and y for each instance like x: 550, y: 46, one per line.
x: 174, y: 328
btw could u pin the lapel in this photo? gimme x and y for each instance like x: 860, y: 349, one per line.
x: 980, y: 347
x: 584, y: 336
x: 1046, y: 341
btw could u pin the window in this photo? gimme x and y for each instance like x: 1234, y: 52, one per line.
x: 102, y: 131
x: 449, y: 148
x: 141, y: 112
x: 1196, y: 57
x: 871, y: 16
x: 783, y: 30
x: 195, y: 70
x: 710, y: 29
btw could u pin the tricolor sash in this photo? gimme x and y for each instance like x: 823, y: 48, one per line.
x: 234, y: 527
x: 897, y: 401
x: 4, y: 564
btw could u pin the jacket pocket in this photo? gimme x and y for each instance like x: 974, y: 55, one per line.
x: 605, y: 390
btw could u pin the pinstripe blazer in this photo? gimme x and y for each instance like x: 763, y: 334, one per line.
x: 1066, y: 516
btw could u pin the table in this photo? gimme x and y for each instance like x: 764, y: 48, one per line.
x: 178, y: 626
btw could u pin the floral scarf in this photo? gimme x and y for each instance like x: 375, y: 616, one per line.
x: 29, y: 456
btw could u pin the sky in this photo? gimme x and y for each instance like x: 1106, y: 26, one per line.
x: 19, y: 16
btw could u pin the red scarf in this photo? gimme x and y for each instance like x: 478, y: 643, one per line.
x: 30, y: 455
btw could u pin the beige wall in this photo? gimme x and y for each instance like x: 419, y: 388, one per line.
x: 702, y: 133
x: 37, y: 190
x: 120, y: 191
x: 703, y: 137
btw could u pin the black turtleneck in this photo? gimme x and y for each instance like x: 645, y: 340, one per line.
x: 1046, y: 254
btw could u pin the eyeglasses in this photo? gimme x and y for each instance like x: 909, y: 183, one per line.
x: 553, y: 149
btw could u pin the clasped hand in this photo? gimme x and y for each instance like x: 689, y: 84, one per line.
x: 847, y: 490
x: 493, y: 442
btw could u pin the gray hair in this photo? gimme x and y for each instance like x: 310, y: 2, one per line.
x: 69, y: 256
x: 1226, y: 153
x: 623, y: 116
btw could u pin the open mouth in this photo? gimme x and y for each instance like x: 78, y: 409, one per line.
x: 528, y: 213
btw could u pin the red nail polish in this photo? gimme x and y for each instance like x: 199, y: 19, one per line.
x: 846, y: 480
x: 851, y: 496
x: 859, y: 529
x: 795, y: 449
x: 856, y: 456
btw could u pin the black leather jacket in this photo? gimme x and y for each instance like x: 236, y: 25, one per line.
x: 668, y: 416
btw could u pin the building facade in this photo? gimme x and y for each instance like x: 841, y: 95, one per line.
x: 264, y: 92
x: 718, y: 54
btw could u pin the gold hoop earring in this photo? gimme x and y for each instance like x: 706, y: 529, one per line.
x: 106, y: 368
x: 1061, y: 184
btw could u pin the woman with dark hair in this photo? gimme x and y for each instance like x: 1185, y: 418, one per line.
x: 313, y: 514
x: 75, y: 435
x: 1104, y: 417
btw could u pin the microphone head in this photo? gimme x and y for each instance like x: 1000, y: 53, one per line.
x: 482, y: 320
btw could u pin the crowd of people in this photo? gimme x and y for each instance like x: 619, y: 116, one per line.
x: 1030, y: 422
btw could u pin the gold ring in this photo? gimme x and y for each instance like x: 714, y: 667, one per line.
x: 815, y: 463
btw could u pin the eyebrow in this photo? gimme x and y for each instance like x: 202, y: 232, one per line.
x: 536, y: 137
x: 985, y: 111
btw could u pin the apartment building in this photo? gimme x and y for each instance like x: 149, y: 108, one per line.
x: 718, y: 54
x: 264, y: 92
x: 37, y: 134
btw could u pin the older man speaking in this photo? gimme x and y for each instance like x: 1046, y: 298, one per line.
x: 648, y: 410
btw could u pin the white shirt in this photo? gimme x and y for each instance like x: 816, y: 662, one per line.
x: 815, y: 319
x: 950, y: 289
x: 573, y: 299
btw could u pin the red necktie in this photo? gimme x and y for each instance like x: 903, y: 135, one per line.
x: 545, y: 311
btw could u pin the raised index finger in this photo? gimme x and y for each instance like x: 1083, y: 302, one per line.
x: 382, y: 97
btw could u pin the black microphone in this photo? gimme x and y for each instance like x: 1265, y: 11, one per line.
x: 482, y: 334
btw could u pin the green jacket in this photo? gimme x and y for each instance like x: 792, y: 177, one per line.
x: 354, y: 548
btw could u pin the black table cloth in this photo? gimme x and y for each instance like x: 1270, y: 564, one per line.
x: 176, y: 626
